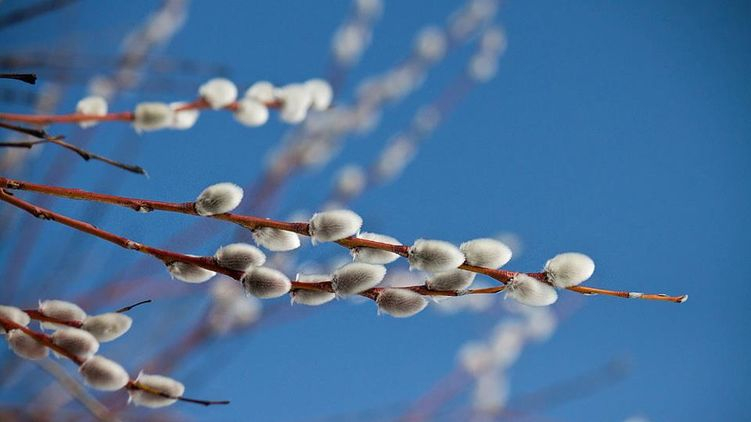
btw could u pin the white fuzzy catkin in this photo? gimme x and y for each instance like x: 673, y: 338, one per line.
x: 183, y: 119
x: 25, y: 346
x: 159, y: 383
x: 239, y: 256
x: 312, y: 297
x: 75, y: 341
x: 296, y: 100
x: 275, y: 240
x: 569, y: 269
x: 107, y: 327
x: 482, y: 67
x: 372, y: 255
x: 488, y: 253
x: 434, y: 255
x: 218, y: 92
x: 400, y: 303
x: 455, y: 279
x: 357, y: 277
x: 91, y: 106
x: 62, y: 310
x: 321, y: 94
x: 430, y: 44
x: 152, y: 116
x: 529, y: 291
x: 14, y: 314
x: 231, y: 308
x: 476, y: 358
x: 261, y: 91
x: 266, y: 283
x: 218, y: 199
x: 189, y: 273
x: 103, y: 374
x: 251, y: 113
x: 350, y: 181
x: 329, y: 226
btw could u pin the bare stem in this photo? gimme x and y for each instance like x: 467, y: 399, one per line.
x: 58, y: 140
x: 29, y: 78
x: 250, y: 222
x: 129, y: 307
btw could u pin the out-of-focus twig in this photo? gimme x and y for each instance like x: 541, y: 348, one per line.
x: 16, y: 17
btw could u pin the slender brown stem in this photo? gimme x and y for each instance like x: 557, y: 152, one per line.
x: 31, y: 11
x: 132, y: 384
x: 45, y: 119
x: 29, y: 78
x: 208, y: 263
x: 251, y: 222
x: 36, y: 133
x: 58, y: 140
x: 21, y: 144
x: 129, y: 307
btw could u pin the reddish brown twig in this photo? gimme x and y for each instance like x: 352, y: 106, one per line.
x: 39, y: 316
x: 123, y: 116
x: 47, y: 342
x: 207, y: 262
x: 250, y: 222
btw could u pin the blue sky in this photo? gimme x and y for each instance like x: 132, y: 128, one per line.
x: 619, y: 129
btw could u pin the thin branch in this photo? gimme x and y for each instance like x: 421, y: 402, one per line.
x: 123, y: 116
x: 208, y: 262
x: 47, y: 342
x: 38, y: 316
x: 36, y: 133
x: 129, y: 307
x: 86, y: 155
x: 22, y: 144
x: 29, y: 78
x: 44, y: 137
x: 253, y: 222
x: 16, y: 17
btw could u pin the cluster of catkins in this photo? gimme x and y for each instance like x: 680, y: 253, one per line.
x: 80, y: 335
x: 439, y: 258
x: 488, y: 361
x: 293, y: 100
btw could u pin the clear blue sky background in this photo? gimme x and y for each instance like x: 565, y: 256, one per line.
x: 620, y: 129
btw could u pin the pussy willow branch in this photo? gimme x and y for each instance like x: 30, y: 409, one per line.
x: 206, y: 262
x: 122, y: 116
x: 38, y: 316
x: 251, y: 222
x: 47, y: 342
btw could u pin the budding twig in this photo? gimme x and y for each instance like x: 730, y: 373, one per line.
x: 208, y: 263
x: 47, y: 342
x: 36, y: 315
x: 249, y: 222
